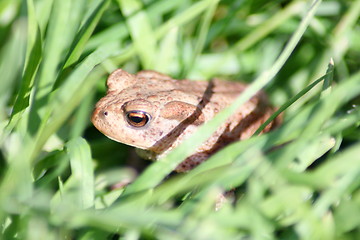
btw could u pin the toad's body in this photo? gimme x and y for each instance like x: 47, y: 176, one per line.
x: 154, y: 112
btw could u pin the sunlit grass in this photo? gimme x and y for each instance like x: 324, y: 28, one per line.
x: 58, y: 173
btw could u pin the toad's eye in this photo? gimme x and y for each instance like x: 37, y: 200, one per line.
x: 137, y: 118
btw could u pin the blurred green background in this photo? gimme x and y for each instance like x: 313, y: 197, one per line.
x: 58, y: 173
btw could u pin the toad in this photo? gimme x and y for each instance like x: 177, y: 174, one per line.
x: 155, y: 113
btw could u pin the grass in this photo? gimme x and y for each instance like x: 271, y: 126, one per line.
x: 57, y: 171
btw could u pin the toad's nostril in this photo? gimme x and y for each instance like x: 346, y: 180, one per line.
x: 105, y: 113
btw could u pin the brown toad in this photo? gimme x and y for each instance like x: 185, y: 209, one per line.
x: 153, y: 112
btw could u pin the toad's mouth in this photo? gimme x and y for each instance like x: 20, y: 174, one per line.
x: 127, y: 143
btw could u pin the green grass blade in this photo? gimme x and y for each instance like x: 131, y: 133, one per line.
x: 340, y: 35
x: 82, y: 171
x: 184, y: 17
x: 328, y: 79
x: 55, y: 45
x: 119, y: 31
x: 203, y: 32
x: 167, y: 51
x: 267, y: 27
x: 13, y: 51
x: 176, y: 21
x: 74, y: 89
x: 321, y: 112
x: 288, y: 104
x: 82, y: 116
x: 85, y: 32
x: 33, y: 58
x: 140, y: 30
x: 43, y: 13
x: 116, y: 32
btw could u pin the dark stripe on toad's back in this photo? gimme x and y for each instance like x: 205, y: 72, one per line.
x: 168, y: 140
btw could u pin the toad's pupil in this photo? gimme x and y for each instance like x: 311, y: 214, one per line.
x: 137, y: 118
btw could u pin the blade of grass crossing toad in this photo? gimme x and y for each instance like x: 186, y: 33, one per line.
x: 82, y: 170
x: 220, y: 165
x: 33, y: 57
x: 158, y: 170
x: 141, y: 31
x: 233, y: 152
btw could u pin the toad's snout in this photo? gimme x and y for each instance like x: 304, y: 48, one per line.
x: 100, y: 119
